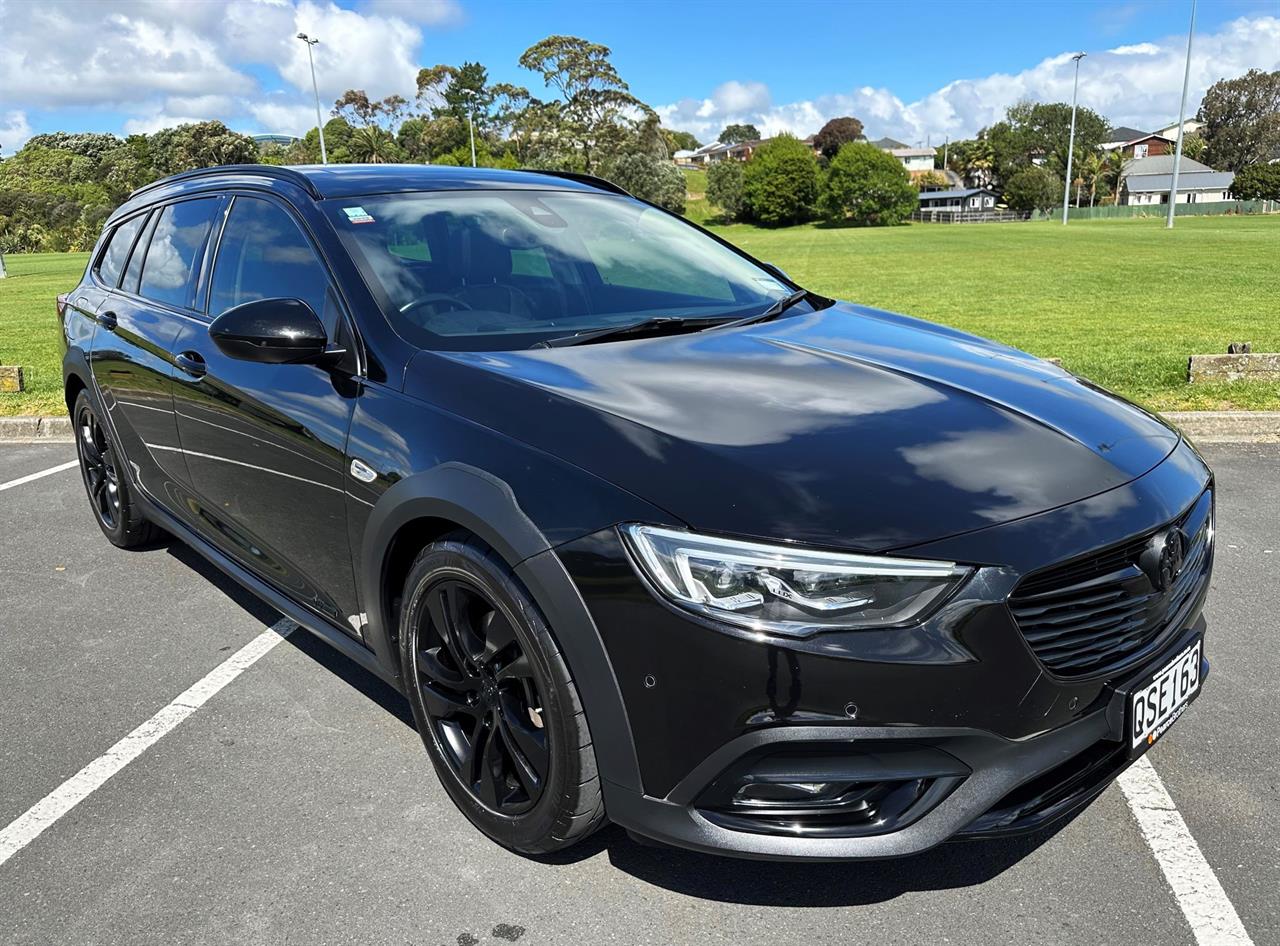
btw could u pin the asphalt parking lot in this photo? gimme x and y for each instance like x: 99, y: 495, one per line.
x: 296, y: 805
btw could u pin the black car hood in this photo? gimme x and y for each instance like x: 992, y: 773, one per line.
x: 847, y: 427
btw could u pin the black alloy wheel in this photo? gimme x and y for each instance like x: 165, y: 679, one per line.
x: 480, y: 693
x: 98, y: 466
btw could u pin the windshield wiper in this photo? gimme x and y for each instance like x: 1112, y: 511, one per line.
x: 775, y: 310
x: 655, y: 326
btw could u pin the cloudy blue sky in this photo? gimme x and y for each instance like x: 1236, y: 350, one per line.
x: 918, y: 71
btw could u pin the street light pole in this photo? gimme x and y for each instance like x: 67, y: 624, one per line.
x: 1071, y: 142
x: 324, y: 157
x: 1182, y: 117
x: 471, y: 121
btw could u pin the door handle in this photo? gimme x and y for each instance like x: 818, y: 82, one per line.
x: 191, y: 363
x: 107, y: 320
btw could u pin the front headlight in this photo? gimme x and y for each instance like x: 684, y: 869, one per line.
x: 784, y: 590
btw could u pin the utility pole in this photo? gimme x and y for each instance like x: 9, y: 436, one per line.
x: 1071, y: 142
x: 1182, y: 117
x: 324, y: 157
x: 471, y: 123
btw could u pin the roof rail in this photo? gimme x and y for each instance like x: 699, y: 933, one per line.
x: 261, y: 170
x: 589, y: 179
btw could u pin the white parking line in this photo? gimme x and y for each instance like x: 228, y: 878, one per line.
x: 35, y: 476
x: 43, y: 814
x: 1195, y: 886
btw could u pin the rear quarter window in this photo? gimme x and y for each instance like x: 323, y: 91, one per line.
x: 117, y: 251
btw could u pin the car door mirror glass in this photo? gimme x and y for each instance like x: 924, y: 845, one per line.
x: 271, y: 331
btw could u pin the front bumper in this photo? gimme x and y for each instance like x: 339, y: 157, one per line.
x: 1010, y: 786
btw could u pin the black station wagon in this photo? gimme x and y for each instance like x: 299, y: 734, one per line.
x: 643, y: 530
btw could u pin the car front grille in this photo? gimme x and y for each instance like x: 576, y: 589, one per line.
x: 1101, y: 612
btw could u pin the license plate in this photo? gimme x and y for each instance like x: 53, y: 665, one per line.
x: 1157, y: 705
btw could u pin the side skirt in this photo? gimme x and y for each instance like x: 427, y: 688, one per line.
x: 332, y: 636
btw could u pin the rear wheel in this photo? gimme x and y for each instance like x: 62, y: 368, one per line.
x: 119, y: 518
x: 494, y: 701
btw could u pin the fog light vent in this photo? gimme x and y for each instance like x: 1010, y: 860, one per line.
x: 830, y: 791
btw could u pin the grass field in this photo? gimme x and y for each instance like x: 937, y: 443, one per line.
x: 1121, y: 302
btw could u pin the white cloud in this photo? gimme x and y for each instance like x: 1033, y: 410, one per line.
x: 14, y: 132
x: 1137, y: 49
x: 1137, y: 85
x: 162, y: 61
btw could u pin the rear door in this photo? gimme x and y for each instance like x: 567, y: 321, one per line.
x: 149, y: 293
x: 265, y: 444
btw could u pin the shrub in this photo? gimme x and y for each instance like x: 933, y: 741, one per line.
x: 724, y: 188
x: 1033, y: 188
x: 868, y: 186
x: 1257, y: 182
x: 780, y: 182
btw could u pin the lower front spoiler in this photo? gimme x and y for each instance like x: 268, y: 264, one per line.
x: 1014, y: 786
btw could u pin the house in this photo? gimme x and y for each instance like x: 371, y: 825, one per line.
x: 1148, y: 146
x: 1122, y: 136
x: 915, y: 159
x: 263, y: 141
x: 957, y: 201
x: 717, y: 151
x: 1189, y: 127
x: 1148, y: 180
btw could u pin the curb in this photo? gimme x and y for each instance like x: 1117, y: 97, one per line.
x: 1200, y: 426
x: 1227, y: 426
x: 35, y: 430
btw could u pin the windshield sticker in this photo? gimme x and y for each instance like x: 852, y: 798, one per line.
x: 357, y: 215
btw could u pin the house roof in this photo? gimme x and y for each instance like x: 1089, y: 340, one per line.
x: 1125, y: 133
x: 1148, y: 137
x: 888, y: 144
x: 905, y: 152
x: 955, y: 194
x: 1162, y: 164
x: 1194, y: 181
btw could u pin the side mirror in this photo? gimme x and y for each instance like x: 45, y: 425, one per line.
x: 271, y: 332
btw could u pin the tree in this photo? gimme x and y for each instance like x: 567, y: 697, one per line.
x: 650, y: 178
x: 837, y: 132
x: 1033, y: 188
x: 372, y: 145
x: 1091, y: 170
x: 1242, y: 120
x: 199, y: 145
x: 357, y: 109
x: 737, y: 134
x: 867, y: 186
x: 593, y: 98
x: 1257, y: 182
x: 931, y: 180
x: 1113, y: 172
x: 780, y: 182
x: 973, y: 160
x: 1194, y: 147
x: 1041, y: 131
x: 725, y: 188
x: 683, y: 141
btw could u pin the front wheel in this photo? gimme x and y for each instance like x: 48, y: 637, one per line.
x: 494, y: 701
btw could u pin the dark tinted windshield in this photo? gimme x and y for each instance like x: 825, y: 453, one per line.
x: 492, y: 270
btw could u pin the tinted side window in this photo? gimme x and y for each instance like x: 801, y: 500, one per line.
x: 117, y: 252
x: 264, y: 255
x: 180, y: 234
x: 133, y: 272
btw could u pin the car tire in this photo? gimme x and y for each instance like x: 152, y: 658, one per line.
x: 102, y: 469
x: 495, y: 702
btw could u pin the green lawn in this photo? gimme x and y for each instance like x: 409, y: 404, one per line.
x: 1122, y: 302
x: 29, y: 327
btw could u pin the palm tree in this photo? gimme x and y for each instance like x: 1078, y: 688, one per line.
x: 1113, y: 173
x: 370, y: 144
x: 1091, y: 169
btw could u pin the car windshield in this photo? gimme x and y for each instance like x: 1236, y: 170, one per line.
x: 501, y: 270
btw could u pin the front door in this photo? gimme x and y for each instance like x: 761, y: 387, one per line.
x: 265, y: 444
